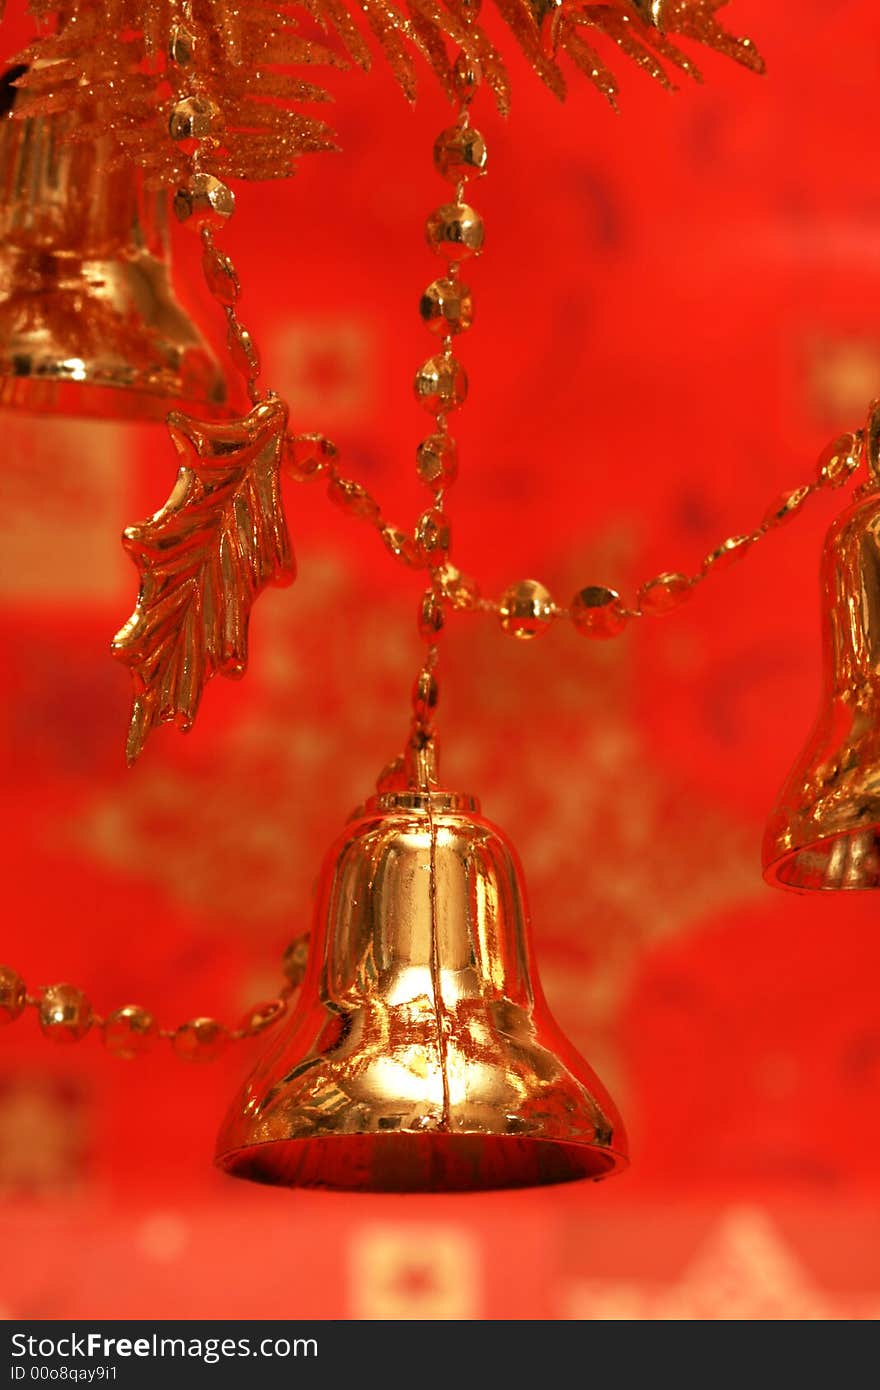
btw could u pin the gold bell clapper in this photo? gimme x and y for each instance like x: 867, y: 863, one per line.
x: 824, y: 833
x: 89, y: 323
x: 421, y: 1055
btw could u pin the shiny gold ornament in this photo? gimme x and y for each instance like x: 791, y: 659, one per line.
x: 734, y: 548
x: 787, y: 506
x: 441, y: 384
x: 221, y: 277
x: 200, y: 1040
x: 243, y: 351
x: 181, y: 45
x: 89, y: 324
x: 13, y: 995
x: 664, y: 593
x: 433, y: 535
x: 840, y: 460
x: 353, y: 498
x: 431, y: 618
x: 824, y: 832
x: 597, y: 612
x: 421, y: 1055
x: 65, y: 1014
x: 460, y: 153
x: 129, y: 1032
x: 460, y: 589
x: 202, y: 559
x: 204, y: 201
x: 308, y: 454
x: 401, y: 545
x: 194, y: 118
x: 465, y: 77
x: 437, y: 461
x: 526, y: 609
x: 447, y: 307
x: 455, y: 231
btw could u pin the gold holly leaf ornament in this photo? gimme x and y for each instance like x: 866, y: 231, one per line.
x: 203, y: 558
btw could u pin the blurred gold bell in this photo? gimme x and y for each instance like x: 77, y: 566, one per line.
x: 89, y: 324
x: 421, y: 1055
x: 825, y: 830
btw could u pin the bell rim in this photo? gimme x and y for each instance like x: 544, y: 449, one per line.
x: 776, y: 860
x: 588, y: 1162
x: 104, y: 399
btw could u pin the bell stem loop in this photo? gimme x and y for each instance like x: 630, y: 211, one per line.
x: 421, y: 762
x: 420, y: 758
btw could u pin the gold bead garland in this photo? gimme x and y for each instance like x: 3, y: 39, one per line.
x: 204, y: 202
x: 526, y: 609
x: 455, y: 232
x: 65, y: 1015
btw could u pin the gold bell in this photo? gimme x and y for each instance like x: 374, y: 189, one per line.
x: 89, y: 324
x: 421, y: 1055
x: 825, y: 830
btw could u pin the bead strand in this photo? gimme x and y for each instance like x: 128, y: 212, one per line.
x: 204, y: 202
x: 527, y: 609
x: 222, y: 280
x: 65, y: 1015
x: 454, y: 232
x: 312, y: 456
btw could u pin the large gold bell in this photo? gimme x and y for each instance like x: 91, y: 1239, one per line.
x: 422, y: 1055
x: 825, y: 830
x: 89, y: 324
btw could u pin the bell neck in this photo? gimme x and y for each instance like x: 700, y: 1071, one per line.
x: 433, y: 800
x: 412, y: 783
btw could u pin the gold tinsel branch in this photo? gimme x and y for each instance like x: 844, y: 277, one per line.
x: 108, y: 64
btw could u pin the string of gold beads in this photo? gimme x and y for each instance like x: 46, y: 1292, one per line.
x: 313, y: 456
x: 204, y: 202
x: 455, y: 232
x: 526, y: 609
x: 65, y: 1015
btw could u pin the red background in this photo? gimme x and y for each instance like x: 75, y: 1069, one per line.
x: 676, y: 311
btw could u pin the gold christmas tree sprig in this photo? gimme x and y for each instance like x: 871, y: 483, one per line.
x: 122, y: 67
x: 117, y: 65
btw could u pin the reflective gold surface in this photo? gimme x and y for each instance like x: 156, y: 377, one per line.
x: 89, y: 324
x: 202, y: 560
x: 825, y: 830
x: 422, y: 1054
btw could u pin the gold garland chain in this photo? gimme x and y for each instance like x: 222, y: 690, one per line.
x: 527, y: 608
x: 65, y: 1015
